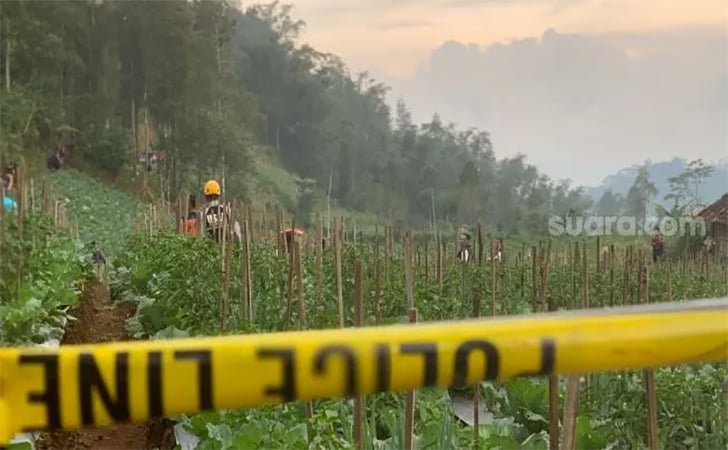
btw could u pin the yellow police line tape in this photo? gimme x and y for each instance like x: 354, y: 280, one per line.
x: 97, y: 385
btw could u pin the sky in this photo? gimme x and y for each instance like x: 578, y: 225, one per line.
x: 394, y: 36
x: 582, y: 87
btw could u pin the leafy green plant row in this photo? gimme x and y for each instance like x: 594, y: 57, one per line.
x: 176, y: 281
x: 104, y: 215
x: 41, y: 274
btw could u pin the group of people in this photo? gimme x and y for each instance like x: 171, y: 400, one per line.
x: 57, y: 159
x: 216, y: 218
x: 217, y: 221
x: 465, y: 252
x: 54, y: 162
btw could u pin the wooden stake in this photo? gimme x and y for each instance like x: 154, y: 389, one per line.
x: 339, y: 282
x: 377, y: 284
x: 649, y: 374
x: 249, y: 314
x: 359, y: 320
x: 408, y: 271
x: 476, y: 388
x: 570, y: 412
x: 409, y: 412
x: 553, y: 399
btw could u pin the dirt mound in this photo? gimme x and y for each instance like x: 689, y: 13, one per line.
x: 100, y: 320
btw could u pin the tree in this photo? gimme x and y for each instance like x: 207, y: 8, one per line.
x: 308, y: 199
x: 640, y: 194
x: 609, y: 204
x: 684, y: 187
x: 469, y: 198
x: 217, y: 88
x: 697, y: 172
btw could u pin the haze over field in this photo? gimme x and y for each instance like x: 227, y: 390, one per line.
x: 583, y: 87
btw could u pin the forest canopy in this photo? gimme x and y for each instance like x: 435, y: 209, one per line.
x: 220, y: 86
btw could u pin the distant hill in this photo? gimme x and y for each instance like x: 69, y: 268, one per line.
x: 660, y: 172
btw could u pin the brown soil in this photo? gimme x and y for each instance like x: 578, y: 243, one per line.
x: 100, y: 320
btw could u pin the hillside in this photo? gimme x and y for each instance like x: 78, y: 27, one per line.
x: 660, y: 172
x: 213, y: 89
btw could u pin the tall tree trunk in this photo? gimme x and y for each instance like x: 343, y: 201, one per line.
x: 7, y: 56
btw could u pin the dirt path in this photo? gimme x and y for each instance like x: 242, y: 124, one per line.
x: 101, y: 320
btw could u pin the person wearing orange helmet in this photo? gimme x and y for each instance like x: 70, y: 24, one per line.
x: 216, y: 216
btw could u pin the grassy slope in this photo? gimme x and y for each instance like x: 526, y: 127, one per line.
x: 104, y: 214
x: 274, y: 184
x: 107, y: 213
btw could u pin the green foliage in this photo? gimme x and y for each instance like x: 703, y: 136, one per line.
x: 219, y: 87
x: 157, y: 273
x: 639, y: 195
x: 215, y: 86
x: 17, y: 110
x: 33, y: 307
x: 308, y: 200
x: 109, y: 150
x: 104, y: 215
x: 609, y: 204
x: 684, y: 187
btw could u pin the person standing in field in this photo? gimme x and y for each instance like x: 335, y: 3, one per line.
x: 658, y: 245
x: 188, y: 225
x: 216, y: 217
x: 465, y: 253
x: 496, y: 249
x: 9, y: 175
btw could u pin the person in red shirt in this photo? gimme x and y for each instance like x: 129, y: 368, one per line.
x: 658, y: 245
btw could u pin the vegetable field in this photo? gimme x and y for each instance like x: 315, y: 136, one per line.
x: 334, y: 278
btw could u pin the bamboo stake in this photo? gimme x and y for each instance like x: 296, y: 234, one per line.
x: 570, y: 412
x: 339, y: 282
x: 377, y: 284
x: 412, y: 315
x: 439, y: 261
x: 553, y: 398
x: 296, y: 247
x: 611, y: 275
x: 249, y: 314
x: 574, y: 262
x: 476, y: 388
x: 534, y: 271
x: 649, y: 375
x: 408, y: 271
x: 585, y: 303
x: 226, y: 259
x: 289, y: 296
x: 493, y: 287
x: 480, y: 245
x: 668, y: 282
x: 359, y: 319
x: 410, y: 400
x: 319, y: 260
x: 573, y: 381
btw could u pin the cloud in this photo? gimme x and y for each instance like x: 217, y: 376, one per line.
x: 326, y: 7
x: 582, y: 106
x: 403, y: 24
x: 469, y: 3
x: 563, y: 5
